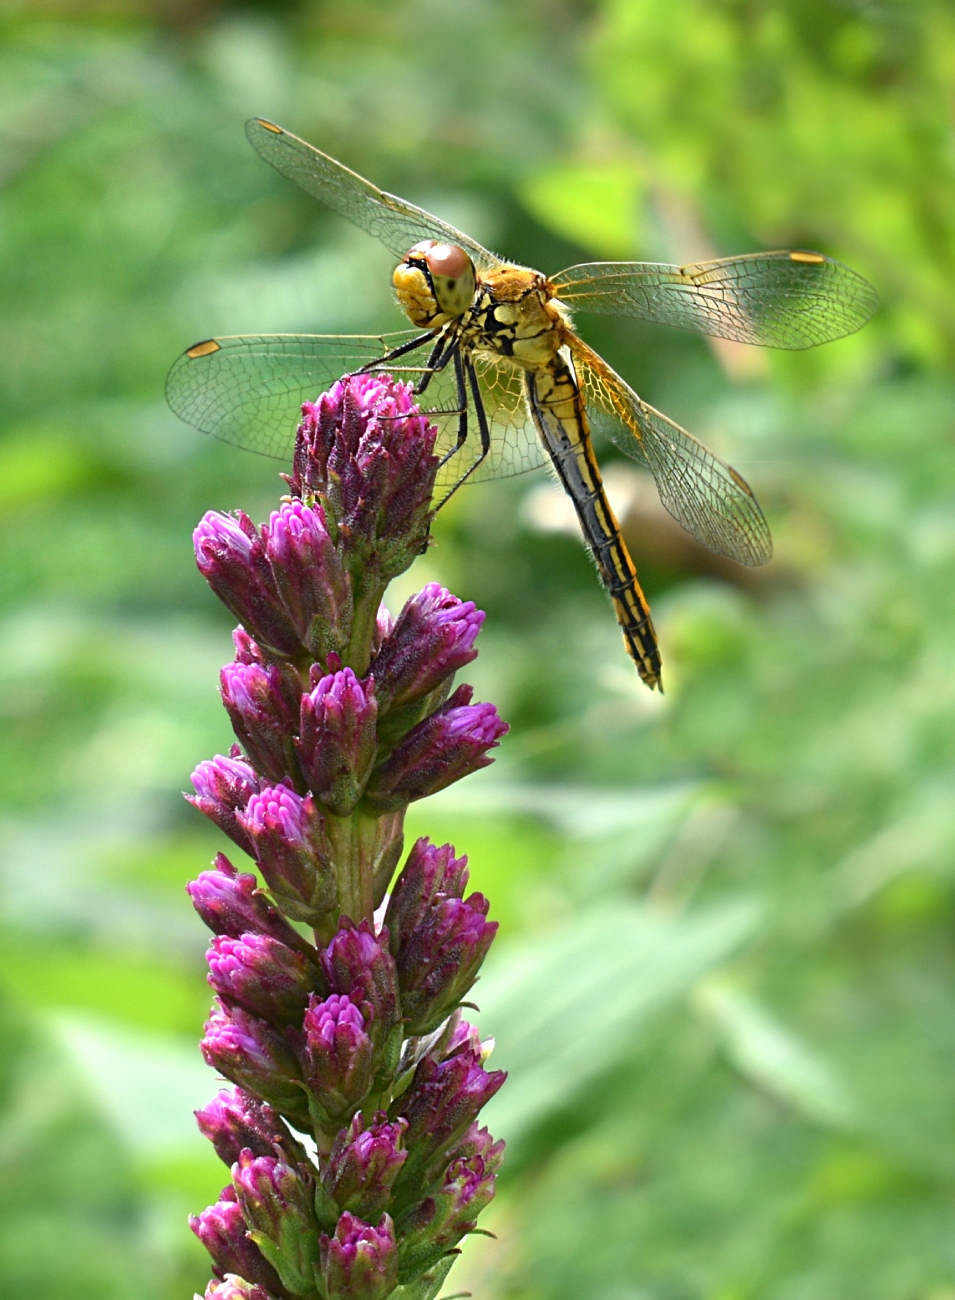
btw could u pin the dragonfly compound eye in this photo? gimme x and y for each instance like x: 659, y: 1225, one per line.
x: 452, y: 274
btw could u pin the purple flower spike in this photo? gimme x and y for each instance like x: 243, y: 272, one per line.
x: 231, y: 557
x: 449, y: 744
x: 230, y: 902
x: 263, y: 976
x: 223, y: 787
x: 236, y: 1288
x: 359, y: 1262
x: 309, y: 576
x: 361, y: 1169
x: 368, y: 452
x: 288, y: 835
x: 222, y: 1230
x: 338, y: 739
x: 439, y: 960
x: 442, y: 1103
x: 357, y: 962
x: 433, y: 637
x: 263, y: 704
x: 235, y: 1121
x: 338, y: 1058
x: 277, y: 1203
x: 255, y: 1056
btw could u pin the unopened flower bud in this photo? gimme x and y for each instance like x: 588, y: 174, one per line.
x: 235, y: 1121
x: 438, y: 1223
x: 337, y: 1057
x: 255, y: 1056
x: 439, y: 960
x: 230, y: 902
x: 223, y: 1231
x: 357, y: 962
x: 231, y: 557
x: 366, y: 450
x: 288, y: 835
x: 337, y: 739
x: 277, y: 1203
x: 359, y: 1262
x: 362, y: 1167
x: 233, y: 1287
x: 262, y: 975
x: 263, y: 705
x: 450, y: 743
x: 223, y: 787
x: 432, y: 638
x: 310, y: 577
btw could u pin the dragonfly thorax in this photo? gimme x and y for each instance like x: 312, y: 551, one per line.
x: 435, y: 283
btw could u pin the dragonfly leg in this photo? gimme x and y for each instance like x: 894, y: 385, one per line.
x: 483, y: 427
x: 410, y: 346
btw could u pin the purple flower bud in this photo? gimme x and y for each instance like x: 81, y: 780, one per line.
x: 337, y: 1057
x: 231, y: 903
x: 310, y: 576
x: 450, y: 743
x: 443, y: 1101
x: 222, y: 1230
x: 255, y: 1056
x: 288, y: 835
x: 231, y: 557
x: 439, y: 960
x: 438, y: 1223
x: 433, y: 637
x: 359, y: 1262
x: 262, y: 975
x: 430, y: 875
x: 277, y: 1203
x: 357, y: 962
x: 236, y: 1288
x: 362, y: 1167
x: 338, y: 739
x: 384, y: 623
x: 263, y: 705
x: 366, y: 450
x: 223, y: 787
x: 235, y: 1121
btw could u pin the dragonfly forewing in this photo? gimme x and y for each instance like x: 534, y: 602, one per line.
x: 396, y: 222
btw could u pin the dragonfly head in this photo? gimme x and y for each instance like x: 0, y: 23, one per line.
x: 435, y: 282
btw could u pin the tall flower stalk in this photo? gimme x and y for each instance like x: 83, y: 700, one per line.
x: 350, y: 1129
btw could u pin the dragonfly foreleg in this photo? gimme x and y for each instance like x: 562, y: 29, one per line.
x: 399, y: 351
x: 441, y: 354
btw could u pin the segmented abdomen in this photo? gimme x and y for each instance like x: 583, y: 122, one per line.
x: 561, y: 421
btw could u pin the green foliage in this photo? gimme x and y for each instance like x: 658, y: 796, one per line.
x: 725, y: 986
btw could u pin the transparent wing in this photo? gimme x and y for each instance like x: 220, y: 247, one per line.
x: 397, y: 223
x: 703, y: 494
x: 515, y: 446
x: 780, y: 300
x: 248, y: 390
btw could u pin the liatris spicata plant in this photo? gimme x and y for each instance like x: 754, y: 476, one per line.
x: 351, y: 1132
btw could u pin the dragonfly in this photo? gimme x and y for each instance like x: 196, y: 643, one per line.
x: 508, y: 381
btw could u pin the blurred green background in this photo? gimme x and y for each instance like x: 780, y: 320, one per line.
x: 725, y: 980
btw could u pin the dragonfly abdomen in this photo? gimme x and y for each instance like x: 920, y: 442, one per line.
x: 561, y: 421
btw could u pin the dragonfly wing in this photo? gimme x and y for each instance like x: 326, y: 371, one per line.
x: 397, y: 223
x: 780, y: 300
x: 703, y: 494
x: 248, y: 389
x: 515, y: 446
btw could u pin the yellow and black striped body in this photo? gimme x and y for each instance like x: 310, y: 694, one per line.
x: 558, y: 411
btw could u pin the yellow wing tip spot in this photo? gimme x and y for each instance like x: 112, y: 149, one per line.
x: 202, y: 349
x: 269, y: 126
x: 811, y: 259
